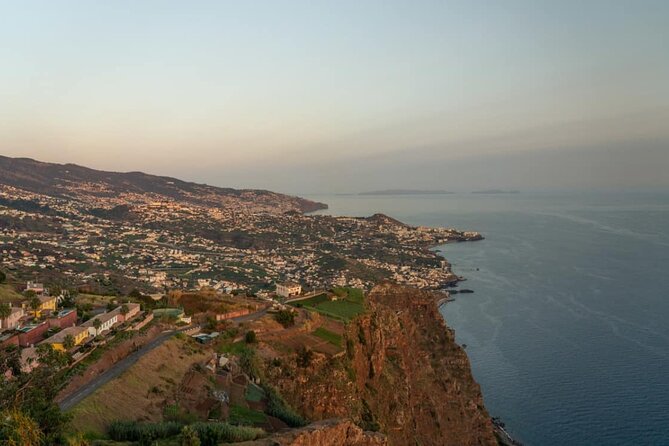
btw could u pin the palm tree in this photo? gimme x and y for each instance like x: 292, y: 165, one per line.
x: 97, y: 324
x: 5, y: 310
x: 68, y: 342
x: 35, y: 303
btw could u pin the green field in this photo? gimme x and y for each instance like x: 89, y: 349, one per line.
x: 242, y: 416
x: 352, y: 294
x: 236, y: 348
x: 348, y: 305
x: 312, y: 301
x: 327, y: 335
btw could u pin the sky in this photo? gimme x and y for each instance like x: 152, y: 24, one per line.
x: 343, y: 96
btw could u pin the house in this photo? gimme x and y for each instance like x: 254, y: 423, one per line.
x: 63, y: 319
x: 288, y: 289
x: 12, y: 321
x: 31, y: 334
x: 107, y: 321
x: 47, y: 304
x: 57, y: 341
x: 133, y: 310
x: 36, y: 287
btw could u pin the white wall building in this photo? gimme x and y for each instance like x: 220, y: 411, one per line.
x: 107, y: 321
x: 288, y: 289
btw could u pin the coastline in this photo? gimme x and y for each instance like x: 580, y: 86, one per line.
x: 503, y: 436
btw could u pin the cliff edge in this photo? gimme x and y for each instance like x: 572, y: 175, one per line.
x: 402, y: 374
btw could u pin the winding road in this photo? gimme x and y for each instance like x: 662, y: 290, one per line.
x: 124, y: 364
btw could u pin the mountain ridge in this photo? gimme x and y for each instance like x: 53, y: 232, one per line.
x: 61, y: 180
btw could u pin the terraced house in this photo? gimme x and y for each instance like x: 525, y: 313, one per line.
x: 58, y: 341
x: 105, y: 322
x: 47, y: 304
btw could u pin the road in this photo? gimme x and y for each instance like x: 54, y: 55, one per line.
x: 119, y: 367
x: 124, y: 364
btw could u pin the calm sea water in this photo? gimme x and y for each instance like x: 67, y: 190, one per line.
x: 568, y: 328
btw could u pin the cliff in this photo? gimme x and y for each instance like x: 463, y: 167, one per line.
x: 402, y: 374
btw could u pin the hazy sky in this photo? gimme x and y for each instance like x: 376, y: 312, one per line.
x: 343, y: 96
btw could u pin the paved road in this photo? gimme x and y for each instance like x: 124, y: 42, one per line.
x: 124, y: 364
x: 115, y: 370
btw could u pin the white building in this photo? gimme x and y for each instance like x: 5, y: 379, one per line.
x: 37, y: 287
x: 107, y: 321
x: 288, y: 289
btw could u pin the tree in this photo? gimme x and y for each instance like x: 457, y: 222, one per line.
x: 136, y: 294
x: 304, y: 356
x: 68, y: 300
x: 250, y: 337
x: 285, y: 318
x: 68, y: 342
x: 35, y: 303
x: 32, y: 394
x: 5, y: 310
x: 3, y: 277
x: 124, y: 310
x: 55, y: 290
x: 189, y: 437
x: 18, y: 429
x: 97, y: 324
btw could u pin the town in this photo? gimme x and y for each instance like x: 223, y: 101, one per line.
x: 159, y: 245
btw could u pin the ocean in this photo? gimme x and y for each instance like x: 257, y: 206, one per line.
x: 567, y: 329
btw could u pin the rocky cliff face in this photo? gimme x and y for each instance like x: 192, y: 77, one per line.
x: 403, y: 375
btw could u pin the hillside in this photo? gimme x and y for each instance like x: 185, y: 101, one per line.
x: 71, y: 181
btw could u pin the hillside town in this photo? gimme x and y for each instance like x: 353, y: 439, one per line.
x: 154, y: 245
x: 103, y: 286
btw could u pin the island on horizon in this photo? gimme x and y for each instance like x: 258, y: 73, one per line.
x: 495, y: 191
x: 406, y: 192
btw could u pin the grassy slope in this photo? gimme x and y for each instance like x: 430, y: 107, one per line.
x: 7, y: 293
x: 129, y: 396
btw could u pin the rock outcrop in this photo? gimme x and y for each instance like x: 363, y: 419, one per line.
x: 323, y: 433
x: 402, y: 375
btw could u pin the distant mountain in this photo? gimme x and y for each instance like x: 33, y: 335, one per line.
x: 495, y: 191
x: 70, y: 181
x: 406, y: 192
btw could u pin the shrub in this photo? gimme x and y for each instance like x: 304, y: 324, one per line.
x: 304, y: 357
x: 143, y: 432
x: 279, y: 408
x: 250, y: 337
x: 285, y: 318
x: 211, y: 434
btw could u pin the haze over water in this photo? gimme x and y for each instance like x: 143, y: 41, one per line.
x: 567, y: 330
